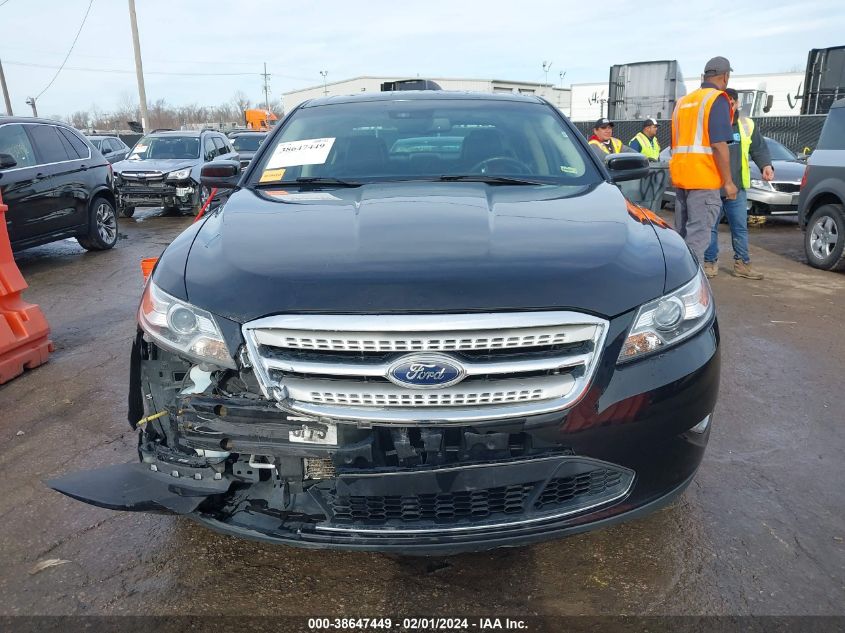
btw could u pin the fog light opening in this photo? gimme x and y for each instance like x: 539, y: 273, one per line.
x: 702, y: 426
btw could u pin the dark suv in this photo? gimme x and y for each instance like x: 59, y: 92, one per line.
x: 423, y: 322
x: 56, y: 185
x: 163, y: 170
x: 821, y: 205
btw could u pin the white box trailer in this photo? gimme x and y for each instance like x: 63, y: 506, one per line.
x: 644, y: 89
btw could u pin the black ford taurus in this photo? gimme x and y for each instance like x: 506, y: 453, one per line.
x: 423, y: 323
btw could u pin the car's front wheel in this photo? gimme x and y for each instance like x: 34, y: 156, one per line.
x: 824, y: 241
x: 102, y: 226
x: 203, y: 193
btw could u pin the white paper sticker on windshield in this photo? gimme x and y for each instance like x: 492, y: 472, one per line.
x: 312, y: 151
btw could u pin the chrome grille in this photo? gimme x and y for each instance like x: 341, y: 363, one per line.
x: 336, y: 366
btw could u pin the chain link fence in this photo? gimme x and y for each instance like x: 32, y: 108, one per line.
x: 796, y: 132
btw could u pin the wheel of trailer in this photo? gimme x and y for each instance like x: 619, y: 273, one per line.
x: 824, y: 241
x: 127, y: 212
x: 102, y: 226
x: 204, y: 193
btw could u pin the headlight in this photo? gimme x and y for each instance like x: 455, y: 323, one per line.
x: 669, y: 320
x: 180, y: 174
x: 762, y: 184
x: 182, y: 328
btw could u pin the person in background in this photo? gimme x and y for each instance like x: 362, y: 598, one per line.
x: 747, y: 141
x: 602, y: 142
x: 700, y: 166
x: 646, y: 141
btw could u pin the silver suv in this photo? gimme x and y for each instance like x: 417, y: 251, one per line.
x: 821, y: 205
x: 163, y: 170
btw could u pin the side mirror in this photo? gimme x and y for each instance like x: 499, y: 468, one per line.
x: 222, y: 174
x: 626, y: 166
x: 105, y: 150
x: 7, y: 161
x: 769, y: 100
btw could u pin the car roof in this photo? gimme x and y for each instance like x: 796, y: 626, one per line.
x: 422, y: 95
x: 99, y: 137
x: 178, y: 133
x: 28, y: 119
x: 248, y: 133
x: 838, y: 104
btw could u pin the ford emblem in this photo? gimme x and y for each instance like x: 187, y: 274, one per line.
x: 425, y: 371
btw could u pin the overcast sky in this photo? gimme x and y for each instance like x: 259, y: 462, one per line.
x: 230, y: 41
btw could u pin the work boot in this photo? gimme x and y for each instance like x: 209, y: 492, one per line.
x: 741, y: 269
x: 711, y: 269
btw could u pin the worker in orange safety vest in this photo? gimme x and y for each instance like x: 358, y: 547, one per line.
x: 700, y: 166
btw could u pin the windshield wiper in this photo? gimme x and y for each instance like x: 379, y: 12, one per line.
x: 334, y: 182
x: 491, y: 180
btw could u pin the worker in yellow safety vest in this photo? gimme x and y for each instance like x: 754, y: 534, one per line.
x: 747, y: 143
x: 700, y: 166
x: 602, y: 141
x: 646, y: 141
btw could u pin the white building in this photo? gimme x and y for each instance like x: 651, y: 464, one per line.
x: 555, y: 95
x: 589, y: 100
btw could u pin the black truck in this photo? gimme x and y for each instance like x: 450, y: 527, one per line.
x: 423, y: 322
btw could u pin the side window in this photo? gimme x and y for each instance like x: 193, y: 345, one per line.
x: 114, y: 144
x: 15, y: 142
x: 79, y: 146
x: 833, y: 132
x: 49, y: 145
x: 209, y: 149
x: 221, y: 146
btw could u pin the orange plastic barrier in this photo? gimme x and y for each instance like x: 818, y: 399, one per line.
x: 24, y: 332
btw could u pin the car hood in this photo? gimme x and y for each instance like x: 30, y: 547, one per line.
x: 422, y: 247
x: 163, y: 165
x: 785, y: 170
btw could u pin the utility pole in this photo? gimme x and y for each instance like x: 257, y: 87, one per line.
x: 30, y: 101
x: 5, y: 91
x: 139, y: 69
x: 266, y: 87
x: 324, y: 73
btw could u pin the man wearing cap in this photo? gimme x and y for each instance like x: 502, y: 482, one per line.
x: 646, y: 141
x: 602, y: 141
x: 747, y: 142
x: 700, y: 166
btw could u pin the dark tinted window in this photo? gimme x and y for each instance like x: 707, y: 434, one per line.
x: 15, y: 142
x: 833, y: 133
x: 49, y: 144
x: 77, y: 143
x: 778, y: 151
x: 247, y: 142
x: 208, y: 148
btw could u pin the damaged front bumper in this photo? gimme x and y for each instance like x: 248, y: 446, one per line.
x: 221, y: 453
x: 181, y: 195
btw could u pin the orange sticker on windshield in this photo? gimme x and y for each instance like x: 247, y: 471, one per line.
x: 271, y: 175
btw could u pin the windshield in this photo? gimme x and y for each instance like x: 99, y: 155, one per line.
x: 247, y: 143
x: 164, y: 147
x: 778, y: 151
x: 425, y: 140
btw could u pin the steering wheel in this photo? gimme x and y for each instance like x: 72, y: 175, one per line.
x: 521, y: 168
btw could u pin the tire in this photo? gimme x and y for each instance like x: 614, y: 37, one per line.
x: 102, y: 226
x: 127, y: 212
x: 824, y: 239
x: 202, y: 195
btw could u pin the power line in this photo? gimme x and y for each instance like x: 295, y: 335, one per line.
x: 4, y: 2
x: 85, y: 17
